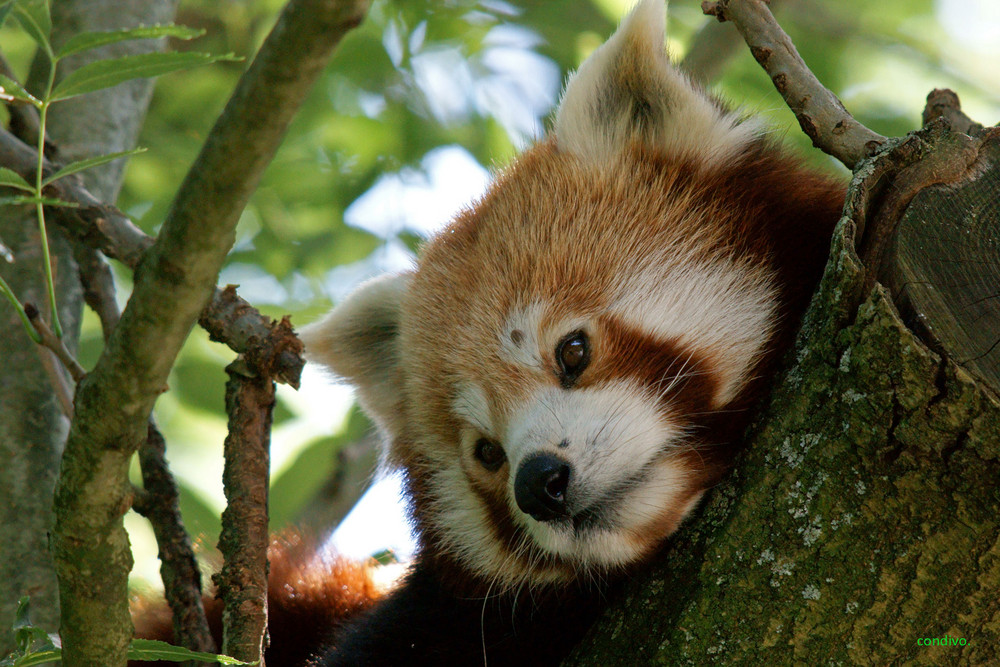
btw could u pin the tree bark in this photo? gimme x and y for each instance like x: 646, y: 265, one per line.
x: 863, y: 515
x: 33, y: 426
x: 33, y: 429
x: 242, y: 582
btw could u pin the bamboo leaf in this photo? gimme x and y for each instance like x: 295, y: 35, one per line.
x: 33, y: 15
x: 80, y: 165
x: 106, y: 73
x: 12, y: 90
x: 12, y: 179
x: 90, y: 40
x: 149, y: 649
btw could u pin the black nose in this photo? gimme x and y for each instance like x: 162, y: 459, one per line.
x: 540, y: 487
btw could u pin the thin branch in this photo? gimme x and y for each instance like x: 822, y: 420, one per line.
x: 713, y: 46
x: 242, y: 582
x: 228, y: 318
x: 160, y: 504
x: 24, y: 122
x: 944, y: 103
x: 54, y: 343
x: 98, y: 285
x: 57, y: 379
x: 174, y: 282
x: 820, y: 114
x: 99, y: 225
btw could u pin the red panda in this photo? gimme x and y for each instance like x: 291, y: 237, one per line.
x: 571, y: 363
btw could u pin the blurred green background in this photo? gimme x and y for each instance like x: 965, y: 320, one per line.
x: 418, y: 106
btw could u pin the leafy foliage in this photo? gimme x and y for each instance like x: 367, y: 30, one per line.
x: 35, y: 647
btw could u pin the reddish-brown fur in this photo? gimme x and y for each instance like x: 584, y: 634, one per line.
x: 535, y: 236
x: 308, y: 599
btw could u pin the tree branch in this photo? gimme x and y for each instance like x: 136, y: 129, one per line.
x: 174, y: 282
x: 23, y: 117
x: 944, y: 103
x: 54, y: 343
x: 820, y: 114
x: 178, y: 565
x: 98, y: 285
x: 242, y: 582
x: 711, y: 49
x: 228, y: 318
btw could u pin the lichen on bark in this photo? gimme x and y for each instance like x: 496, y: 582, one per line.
x: 862, y: 516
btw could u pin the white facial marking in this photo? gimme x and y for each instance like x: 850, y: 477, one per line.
x: 714, y: 306
x: 522, y: 339
x: 464, y: 521
x: 473, y: 406
x: 519, y: 337
x: 615, y: 433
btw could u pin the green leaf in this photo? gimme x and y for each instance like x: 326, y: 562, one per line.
x: 5, y: 8
x: 12, y: 179
x: 106, y: 73
x: 90, y: 40
x: 149, y: 649
x: 12, y: 90
x: 80, y: 165
x: 9, y: 293
x: 33, y: 16
x: 23, y: 611
x: 40, y: 658
x: 18, y: 200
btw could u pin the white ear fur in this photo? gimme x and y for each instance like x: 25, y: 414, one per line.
x: 358, y: 341
x: 627, y: 90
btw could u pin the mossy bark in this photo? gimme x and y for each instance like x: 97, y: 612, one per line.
x: 864, y: 514
x: 32, y: 427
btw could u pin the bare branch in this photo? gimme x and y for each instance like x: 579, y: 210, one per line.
x: 98, y: 285
x: 160, y: 504
x: 24, y: 121
x: 944, y: 103
x: 54, y: 343
x: 228, y: 318
x: 174, y: 283
x: 97, y: 224
x: 242, y: 582
x: 57, y: 379
x: 820, y: 114
x: 711, y: 49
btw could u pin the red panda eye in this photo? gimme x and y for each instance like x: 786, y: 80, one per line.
x: 490, y: 454
x: 573, y: 355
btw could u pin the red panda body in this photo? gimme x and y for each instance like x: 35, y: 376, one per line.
x: 571, y: 363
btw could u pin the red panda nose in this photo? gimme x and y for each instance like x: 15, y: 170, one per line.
x: 540, y: 487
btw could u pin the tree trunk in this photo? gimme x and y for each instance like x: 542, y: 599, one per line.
x: 865, y: 513
x: 32, y: 424
x: 33, y: 428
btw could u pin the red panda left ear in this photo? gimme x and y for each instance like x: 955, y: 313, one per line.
x: 628, y: 91
x: 358, y: 340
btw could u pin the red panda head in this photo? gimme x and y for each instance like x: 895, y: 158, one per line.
x: 552, y: 374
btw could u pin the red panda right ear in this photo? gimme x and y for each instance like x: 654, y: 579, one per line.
x: 628, y: 91
x: 358, y: 340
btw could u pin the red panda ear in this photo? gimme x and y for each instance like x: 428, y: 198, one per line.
x: 627, y: 91
x: 358, y: 340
